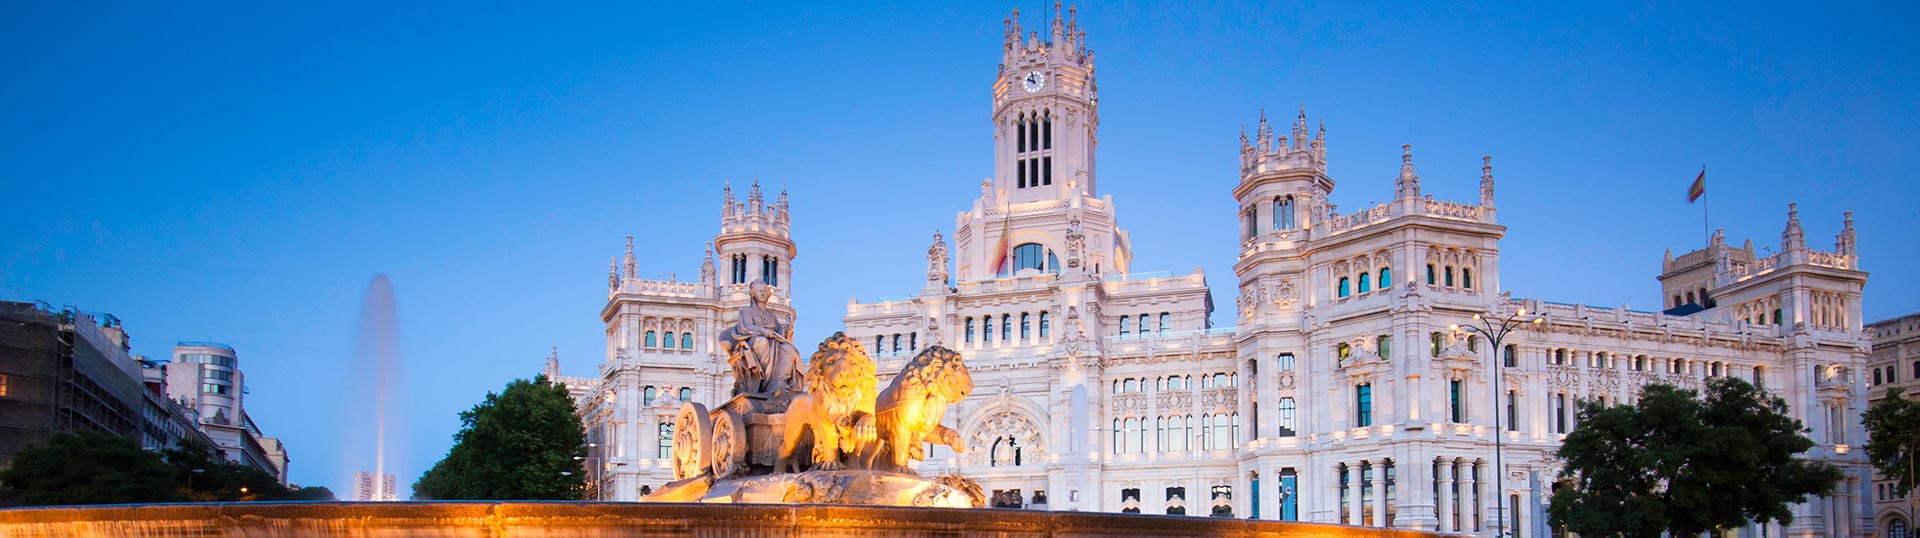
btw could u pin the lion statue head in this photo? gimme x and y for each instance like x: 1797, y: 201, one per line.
x: 841, y: 376
x: 938, y: 372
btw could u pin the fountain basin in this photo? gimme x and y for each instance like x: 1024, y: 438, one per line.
x: 591, y: 520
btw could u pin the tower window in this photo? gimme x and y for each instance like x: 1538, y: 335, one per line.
x: 1026, y: 323
x: 1449, y: 276
x: 1046, y: 133
x: 1006, y: 327
x: 969, y: 330
x: 1043, y: 324
x: 1386, y: 278
x: 1032, y: 256
x: 1429, y: 274
x: 1166, y: 322
x: 1020, y: 132
x: 1283, y: 213
x: 1020, y: 171
x: 1343, y: 287
x: 1046, y: 170
x: 1366, y: 284
x: 1466, y: 277
x: 686, y: 341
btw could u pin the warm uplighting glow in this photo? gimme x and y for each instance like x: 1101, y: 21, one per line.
x: 1841, y: 449
x: 1476, y: 317
x: 1453, y: 326
x: 1536, y: 321
x: 1523, y: 312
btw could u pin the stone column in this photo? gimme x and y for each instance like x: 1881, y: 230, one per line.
x: 1333, y: 501
x: 1379, y: 474
x: 1354, y: 504
x: 1444, y: 507
x: 1470, y: 492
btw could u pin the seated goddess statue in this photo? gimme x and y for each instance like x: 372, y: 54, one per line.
x: 760, y: 349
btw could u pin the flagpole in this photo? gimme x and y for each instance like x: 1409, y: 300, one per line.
x: 1705, y: 227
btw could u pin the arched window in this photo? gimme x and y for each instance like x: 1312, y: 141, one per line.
x: 1125, y: 327
x: 1135, y: 436
x: 1166, y: 322
x: 1043, y: 324
x: 653, y: 339
x: 1006, y: 327
x: 1287, y: 408
x: 1026, y: 326
x: 686, y: 394
x: 1897, y: 529
x: 1343, y: 287
x: 880, y: 343
x: 1283, y: 213
x: 896, y: 343
x: 1366, y: 284
x: 1386, y: 277
x: 1676, y: 300
x: 667, y: 342
x: 1512, y: 357
x: 1119, y: 437
x: 1142, y: 327
x: 686, y: 341
x: 986, y: 333
x: 1466, y: 277
x: 1032, y: 256
x: 1690, y: 297
x: 1449, y: 276
x: 1776, y: 316
x: 1429, y: 274
x: 1285, y: 362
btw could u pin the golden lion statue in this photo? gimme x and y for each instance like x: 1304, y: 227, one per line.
x: 836, y: 411
x: 910, y: 409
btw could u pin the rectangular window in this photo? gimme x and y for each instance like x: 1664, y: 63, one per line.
x: 1020, y: 173
x: 1363, y: 405
x: 969, y: 330
x: 1433, y: 344
x: 1512, y: 356
x: 1043, y: 325
x: 1285, y: 362
x: 986, y: 333
x: 1026, y: 324
x: 1046, y: 170
x: 1384, y: 345
x: 1513, y: 411
x: 1560, y: 413
x: 1457, y: 400
x: 1006, y: 327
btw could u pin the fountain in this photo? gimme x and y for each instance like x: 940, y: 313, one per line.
x: 791, y: 453
x: 375, y: 353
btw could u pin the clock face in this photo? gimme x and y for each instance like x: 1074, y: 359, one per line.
x: 1034, y: 81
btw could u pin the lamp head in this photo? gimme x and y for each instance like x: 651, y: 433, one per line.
x: 1523, y: 312
x: 1476, y: 317
x: 1453, y: 326
x: 1536, y: 321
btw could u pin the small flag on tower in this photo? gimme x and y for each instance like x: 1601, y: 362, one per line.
x: 1699, y: 187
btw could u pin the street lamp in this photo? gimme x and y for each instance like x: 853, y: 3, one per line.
x: 1496, y: 331
x: 588, y: 460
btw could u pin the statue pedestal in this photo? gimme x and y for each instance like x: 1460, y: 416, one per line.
x: 859, y: 487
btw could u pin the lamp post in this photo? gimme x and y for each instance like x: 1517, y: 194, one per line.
x: 1497, y: 331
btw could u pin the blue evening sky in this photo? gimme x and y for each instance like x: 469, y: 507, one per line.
x: 240, y: 172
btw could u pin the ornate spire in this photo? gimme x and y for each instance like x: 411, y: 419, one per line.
x: 1486, y: 181
x: 553, y: 365
x: 726, y: 202
x: 706, y: 266
x: 754, y: 199
x: 1320, y: 140
x: 1409, y: 184
x: 1059, y: 25
x: 780, y: 206
x: 1264, y: 133
x: 1244, y: 145
x: 613, y: 272
x: 633, y: 269
x: 1793, y: 238
x: 1013, y: 32
x: 1844, y: 244
x: 1300, y: 129
x: 1073, y: 29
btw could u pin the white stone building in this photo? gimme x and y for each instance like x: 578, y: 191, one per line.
x: 662, y: 348
x: 1895, y: 363
x: 206, y: 377
x: 1340, y: 395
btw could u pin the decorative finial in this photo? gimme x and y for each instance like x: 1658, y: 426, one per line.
x: 633, y: 268
x: 1843, y: 244
x: 1408, y: 186
x: 613, y: 272
x: 1486, y: 180
x: 1793, y: 238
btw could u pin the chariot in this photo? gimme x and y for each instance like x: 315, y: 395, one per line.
x: 732, y: 440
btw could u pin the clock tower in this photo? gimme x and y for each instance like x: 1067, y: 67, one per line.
x: 1045, y: 112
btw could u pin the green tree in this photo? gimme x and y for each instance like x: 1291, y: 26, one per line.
x: 1893, y: 435
x: 204, y: 476
x: 519, y: 444
x: 313, y: 493
x: 1683, y: 465
x: 89, y: 467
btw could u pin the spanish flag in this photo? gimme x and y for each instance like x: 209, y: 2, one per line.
x: 1699, y: 187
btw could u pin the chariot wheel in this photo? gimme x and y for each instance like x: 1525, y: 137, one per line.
x: 729, y: 445
x: 692, y: 433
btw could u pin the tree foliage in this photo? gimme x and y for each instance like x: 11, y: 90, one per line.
x: 89, y: 467
x: 520, y: 444
x: 1893, y: 435
x: 204, y: 476
x: 1682, y: 464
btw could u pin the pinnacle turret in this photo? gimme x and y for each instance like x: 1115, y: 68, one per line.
x: 613, y: 272
x: 1486, y: 181
x: 633, y: 268
x: 1264, y: 134
x: 1793, y: 238
x: 1844, y: 244
x: 1300, y: 129
x: 755, y: 200
x: 1408, y: 186
x: 726, y: 201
